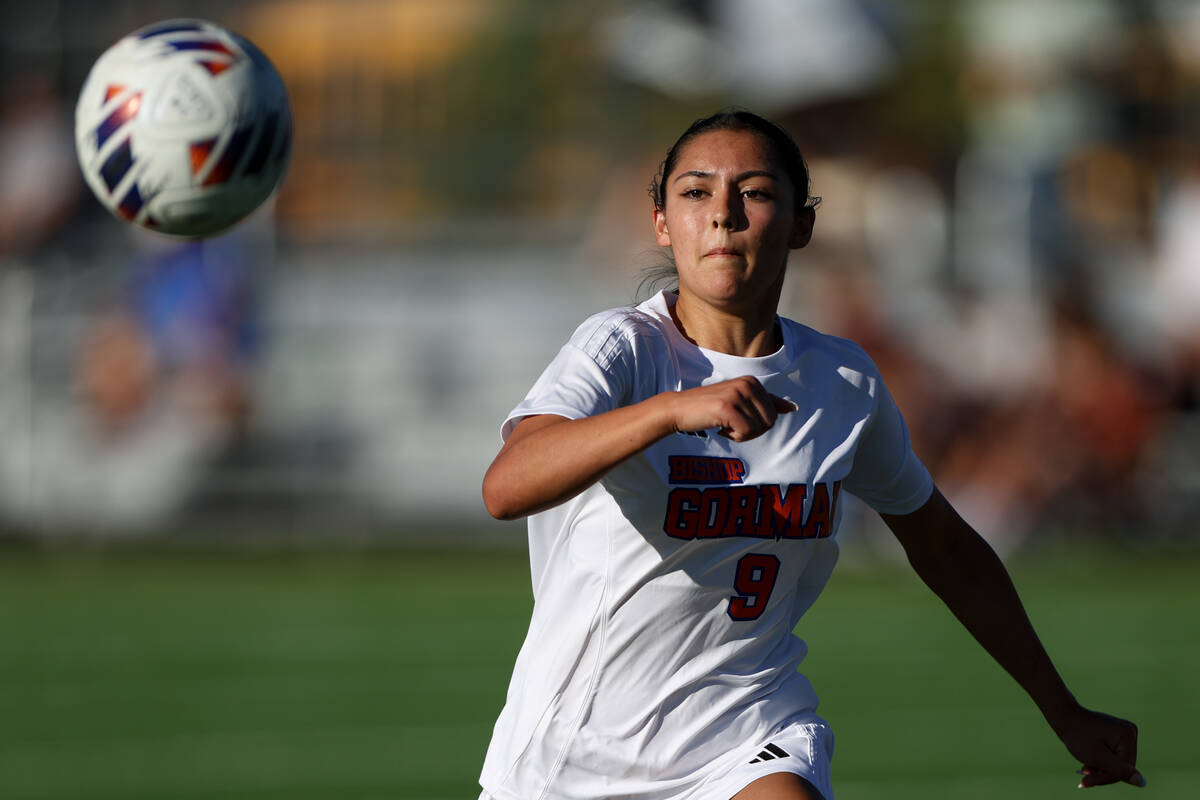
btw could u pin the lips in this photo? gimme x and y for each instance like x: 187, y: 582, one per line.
x: 724, y: 252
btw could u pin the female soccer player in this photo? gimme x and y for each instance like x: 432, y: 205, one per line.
x: 682, y: 464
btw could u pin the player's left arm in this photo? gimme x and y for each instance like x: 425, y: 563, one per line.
x: 964, y: 571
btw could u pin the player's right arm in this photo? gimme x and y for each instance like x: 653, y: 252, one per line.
x: 549, y: 459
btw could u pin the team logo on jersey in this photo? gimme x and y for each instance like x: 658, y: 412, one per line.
x: 759, y: 512
x: 705, y: 470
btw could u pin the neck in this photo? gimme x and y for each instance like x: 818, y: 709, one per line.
x: 751, y: 335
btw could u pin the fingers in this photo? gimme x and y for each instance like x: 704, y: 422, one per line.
x: 783, y: 405
x: 755, y: 410
x: 1094, y: 777
x: 1114, y: 760
x: 740, y: 409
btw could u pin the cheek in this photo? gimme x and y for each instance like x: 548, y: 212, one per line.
x: 775, y: 229
x: 681, y: 228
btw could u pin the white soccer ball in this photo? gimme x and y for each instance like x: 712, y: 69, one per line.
x: 183, y: 127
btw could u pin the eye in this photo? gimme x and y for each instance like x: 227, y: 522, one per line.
x: 692, y: 194
x: 756, y: 194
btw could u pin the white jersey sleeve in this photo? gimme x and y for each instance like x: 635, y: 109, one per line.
x: 592, y: 373
x: 887, y: 475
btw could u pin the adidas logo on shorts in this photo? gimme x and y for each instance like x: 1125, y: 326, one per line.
x: 769, y: 753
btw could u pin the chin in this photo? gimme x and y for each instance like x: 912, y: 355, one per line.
x: 731, y: 288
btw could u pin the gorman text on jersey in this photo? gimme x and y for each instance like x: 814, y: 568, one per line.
x: 760, y: 512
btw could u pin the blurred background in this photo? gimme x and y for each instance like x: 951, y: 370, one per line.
x: 1007, y: 226
x: 244, y: 551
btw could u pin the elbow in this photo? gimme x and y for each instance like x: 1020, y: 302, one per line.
x: 500, y: 511
x: 499, y: 504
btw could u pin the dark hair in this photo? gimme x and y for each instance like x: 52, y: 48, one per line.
x: 787, y: 154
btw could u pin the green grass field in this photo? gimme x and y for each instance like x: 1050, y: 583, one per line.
x: 379, y: 675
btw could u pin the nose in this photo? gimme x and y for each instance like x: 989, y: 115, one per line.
x: 726, y: 209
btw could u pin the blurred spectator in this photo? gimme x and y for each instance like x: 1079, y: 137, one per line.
x: 163, y: 390
x: 39, y: 181
x: 116, y: 373
x: 195, y: 304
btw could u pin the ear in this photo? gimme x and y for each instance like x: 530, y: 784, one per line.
x: 661, y: 236
x: 802, y: 228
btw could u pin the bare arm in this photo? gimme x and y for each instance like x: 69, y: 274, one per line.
x: 964, y: 571
x: 549, y: 459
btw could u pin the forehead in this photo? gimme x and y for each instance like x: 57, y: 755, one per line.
x: 727, y: 151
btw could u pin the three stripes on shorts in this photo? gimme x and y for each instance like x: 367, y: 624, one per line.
x: 770, y: 753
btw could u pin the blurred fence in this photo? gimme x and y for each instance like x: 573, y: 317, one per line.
x: 1009, y: 196
x: 373, y: 393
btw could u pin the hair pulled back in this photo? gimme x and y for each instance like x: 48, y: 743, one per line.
x: 787, y: 154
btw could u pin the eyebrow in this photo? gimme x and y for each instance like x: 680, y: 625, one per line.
x: 752, y: 173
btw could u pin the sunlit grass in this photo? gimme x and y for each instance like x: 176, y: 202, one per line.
x: 380, y: 675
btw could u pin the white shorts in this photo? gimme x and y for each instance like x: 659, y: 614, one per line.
x: 802, y: 748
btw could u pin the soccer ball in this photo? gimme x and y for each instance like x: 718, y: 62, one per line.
x: 183, y: 127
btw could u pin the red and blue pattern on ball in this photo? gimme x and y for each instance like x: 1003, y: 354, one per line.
x: 200, y: 46
x: 119, y: 161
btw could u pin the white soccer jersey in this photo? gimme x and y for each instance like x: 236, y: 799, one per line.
x: 666, y: 594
